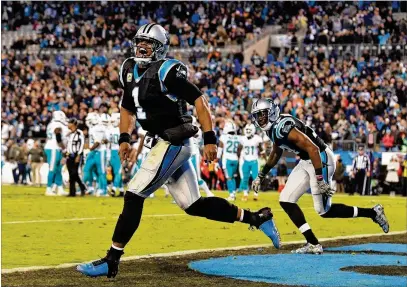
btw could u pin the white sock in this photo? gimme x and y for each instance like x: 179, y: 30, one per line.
x: 241, y: 215
x: 117, y: 248
x: 245, y: 193
x: 121, y: 189
x: 60, y: 189
x: 49, y: 190
x: 304, y: 227
x: 355, y: 211
x: 114, y: 188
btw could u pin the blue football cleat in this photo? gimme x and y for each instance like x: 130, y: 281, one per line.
x: 108, y: 266
x: 269, y: 228
x: 94, y: 269
x: 264, y: 221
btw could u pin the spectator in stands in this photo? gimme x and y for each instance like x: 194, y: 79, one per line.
x: 404, y: 177
x: 36, y: 158
x: 388, y: 140
x: 392, y: 177
x: 402, y: 142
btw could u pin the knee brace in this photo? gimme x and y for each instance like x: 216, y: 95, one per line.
x: 214, y: 208
x: 129, y: 219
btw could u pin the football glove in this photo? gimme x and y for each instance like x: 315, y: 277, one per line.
x: 325, y: 188
x: 257, y: 182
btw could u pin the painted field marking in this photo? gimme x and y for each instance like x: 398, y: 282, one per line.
x: 114, y: 217
x: 188, y: 252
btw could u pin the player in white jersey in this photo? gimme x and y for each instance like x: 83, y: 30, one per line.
x: 96, y: 159
x: 228, y: 144
x: 196, y: 161
x: 114, y: 133
x: 56, y: 135
x: 88, y: 155
x: 249, y: 149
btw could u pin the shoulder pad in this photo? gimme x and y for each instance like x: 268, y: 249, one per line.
x: 283, y: 128
x: 166, y: 66
x: 125, y: 65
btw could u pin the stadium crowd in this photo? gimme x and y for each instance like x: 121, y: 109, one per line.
x: 196, y: 24
x: 343, y: 98
x: 113, y: 24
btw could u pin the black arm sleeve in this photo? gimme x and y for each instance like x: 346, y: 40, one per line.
x: 178, y: 85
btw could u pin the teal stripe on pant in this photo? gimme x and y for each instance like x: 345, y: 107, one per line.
x: 324, y: 159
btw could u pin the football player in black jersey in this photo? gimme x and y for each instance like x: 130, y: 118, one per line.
x: 156, y: 93
x: 315, y: 171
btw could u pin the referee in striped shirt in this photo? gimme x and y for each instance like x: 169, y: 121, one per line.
x: 76, y: 141
x: 361, y: 172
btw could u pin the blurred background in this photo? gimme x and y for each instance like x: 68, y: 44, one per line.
x: 338, y: 66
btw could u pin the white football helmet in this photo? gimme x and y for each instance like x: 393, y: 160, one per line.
x: 95, y: 119
x: 249, y: 130
x: 230, y: 127
x: 115, y: 119
x: 105, y: 119
x: 265, y: 112
x: 59, y: 116
x: 158, y: 37
x: 89, y: 119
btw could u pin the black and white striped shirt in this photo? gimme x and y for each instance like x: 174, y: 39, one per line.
x: 75, y: 142
x: 361, y: 162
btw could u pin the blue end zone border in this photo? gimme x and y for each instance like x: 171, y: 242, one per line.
x: 308, y: 270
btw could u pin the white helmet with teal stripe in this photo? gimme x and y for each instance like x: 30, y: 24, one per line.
x: 249, y: 130
x: 150, y: 44
x: 265, y: 112
x: 229, y: 127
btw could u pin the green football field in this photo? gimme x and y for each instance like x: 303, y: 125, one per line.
x: 39, y: 230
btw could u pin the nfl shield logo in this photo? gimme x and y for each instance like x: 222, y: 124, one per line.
x: 129, y: 77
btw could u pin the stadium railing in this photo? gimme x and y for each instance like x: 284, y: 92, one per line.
x: 345, y: 145
x: 355, y: 50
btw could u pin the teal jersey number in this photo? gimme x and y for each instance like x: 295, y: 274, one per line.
x: 232, y: 146
x: 115, y: 139
x: 249, y: 150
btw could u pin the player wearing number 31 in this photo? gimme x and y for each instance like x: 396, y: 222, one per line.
x: 315, y: 171
x: 156, y: 93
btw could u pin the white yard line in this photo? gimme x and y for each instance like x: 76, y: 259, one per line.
x: 99, y: 218
x: 187, y: 252
x: 86, y: 218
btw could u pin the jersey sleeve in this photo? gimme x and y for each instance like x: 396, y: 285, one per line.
x: 173, y: 77
x: 126, y: 76
x: 284, y: 127
x: 222, y: 139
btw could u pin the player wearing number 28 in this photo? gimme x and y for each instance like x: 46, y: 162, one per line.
x: 315, y: 171
x: 156, y: 92
x: 228, y: 146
